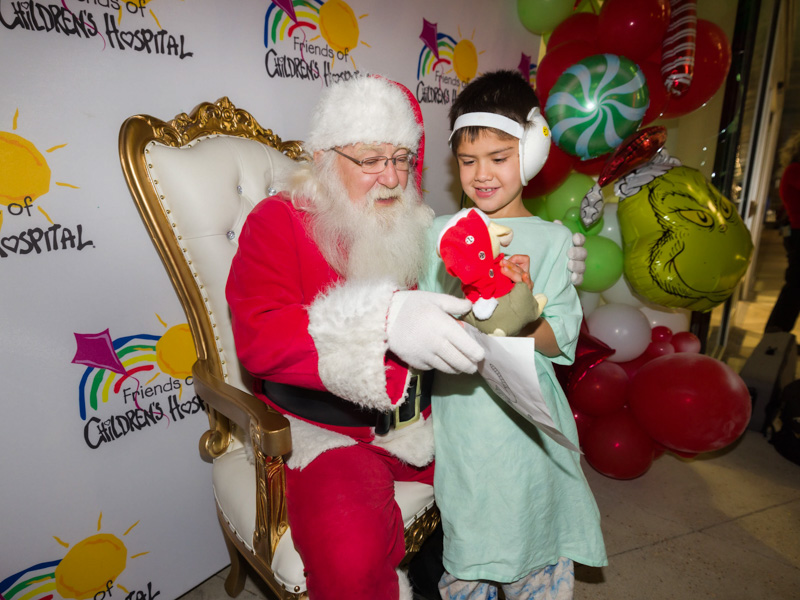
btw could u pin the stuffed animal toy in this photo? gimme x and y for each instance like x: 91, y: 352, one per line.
x: 470, y: 245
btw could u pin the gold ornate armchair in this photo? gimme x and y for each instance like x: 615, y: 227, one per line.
x: 194, y: 180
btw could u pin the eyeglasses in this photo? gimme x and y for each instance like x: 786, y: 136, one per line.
x: 377, y: 164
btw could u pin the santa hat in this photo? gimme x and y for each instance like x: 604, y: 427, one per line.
x: 366, y: 110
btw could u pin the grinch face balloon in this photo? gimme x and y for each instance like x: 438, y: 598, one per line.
x: 684, y: 243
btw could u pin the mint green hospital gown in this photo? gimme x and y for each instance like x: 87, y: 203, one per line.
x: 512, y: 500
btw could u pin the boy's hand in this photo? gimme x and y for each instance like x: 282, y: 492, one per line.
x: 517, y: 268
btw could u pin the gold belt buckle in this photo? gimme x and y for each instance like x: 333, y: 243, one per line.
x: 415, y: 388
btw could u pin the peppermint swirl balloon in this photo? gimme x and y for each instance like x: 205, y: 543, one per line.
x: 595, y: 104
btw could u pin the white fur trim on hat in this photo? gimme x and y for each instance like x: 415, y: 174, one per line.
x: 363, y: 110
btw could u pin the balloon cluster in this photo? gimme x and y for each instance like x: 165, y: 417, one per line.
x: 660, y: 242
x: 609, y: 71
x: 655, y: 393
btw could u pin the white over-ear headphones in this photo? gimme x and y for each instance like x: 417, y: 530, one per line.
x: 534, y: 138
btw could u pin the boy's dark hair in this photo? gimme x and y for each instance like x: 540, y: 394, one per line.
x: 502, y: 92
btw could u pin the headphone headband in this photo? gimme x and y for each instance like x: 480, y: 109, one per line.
x: 486, y: 119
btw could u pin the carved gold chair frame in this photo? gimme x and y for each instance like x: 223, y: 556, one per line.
x: 227, y: 406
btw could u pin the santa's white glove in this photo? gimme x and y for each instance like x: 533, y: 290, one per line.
x: 422, y: 332
x: 576, y: 256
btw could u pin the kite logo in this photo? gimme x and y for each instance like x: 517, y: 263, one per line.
x: 318, y: 35
x: 527, y: 68
x: 113, y: 381
x: 444, y: 65
x: 89, y: 570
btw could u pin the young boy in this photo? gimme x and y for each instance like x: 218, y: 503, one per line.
x: 516, y: 508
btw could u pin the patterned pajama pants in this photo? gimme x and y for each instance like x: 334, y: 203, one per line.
x: 554, y: 582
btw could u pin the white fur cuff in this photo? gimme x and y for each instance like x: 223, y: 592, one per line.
x: 412, y: 444
x: 348, y: 326
x: 309, y: 441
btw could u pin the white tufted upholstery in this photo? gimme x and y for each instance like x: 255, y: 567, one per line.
x: 208, y: 188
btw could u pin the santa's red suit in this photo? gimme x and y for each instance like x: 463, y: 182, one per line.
x: 317, y: 345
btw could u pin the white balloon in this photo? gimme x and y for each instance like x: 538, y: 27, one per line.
x: 611, y: 224
x: 624, y: 328
x: 622, y: 293
x: 677, y: 319
x: 589, y: 301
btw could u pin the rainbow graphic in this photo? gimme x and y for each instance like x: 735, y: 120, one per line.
x: 280, y: 23
x: 34, y: 583
x: 137, y: 355
x: 428, y: 61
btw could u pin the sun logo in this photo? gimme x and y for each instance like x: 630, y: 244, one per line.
x: 88, y: 570
x: 335, y: 20
x: 111, y: 363
x: 442, y: 50
x: 24, y: 173
x: 137, y: 6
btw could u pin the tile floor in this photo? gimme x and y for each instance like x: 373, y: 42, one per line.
x: 724, y: 525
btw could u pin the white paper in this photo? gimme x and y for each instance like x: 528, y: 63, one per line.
x: 510, y: 370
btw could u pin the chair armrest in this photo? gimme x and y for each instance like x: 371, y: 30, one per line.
x: 244, y: 409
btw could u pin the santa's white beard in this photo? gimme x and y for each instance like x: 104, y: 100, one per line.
x: 367, y: 240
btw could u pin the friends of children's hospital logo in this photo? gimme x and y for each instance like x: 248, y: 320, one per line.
x: 445, y: 64
x: 89, y: 570
x: 140, y: 32
x: 134, y: 382
x: 312, y: 40
x: 26, y: 227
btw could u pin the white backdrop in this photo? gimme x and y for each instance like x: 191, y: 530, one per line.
x: 95, y: 492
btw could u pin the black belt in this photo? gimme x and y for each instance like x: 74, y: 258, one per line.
x: 326, y: 408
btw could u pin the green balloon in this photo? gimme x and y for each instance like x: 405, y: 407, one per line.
x: 540, y: 16
x: 537, y: 207
x: 572, y: 220
x: 603, y: 264
x: 595, y: 104
x: 568, y: 195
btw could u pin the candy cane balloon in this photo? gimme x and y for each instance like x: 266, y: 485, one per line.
x: 678, y: 47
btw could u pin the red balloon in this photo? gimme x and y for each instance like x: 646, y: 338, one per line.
x: 558, y: 60
x: 632, y: 366
x: 593, y: 166
x: 634, y: 151
x: 618, y: 447
x: 661, y: 348
x: 589, y: 352
x: 711, y: 64
x: 686, y: 341
x: 555, y: 171
x: 580, y: 26
x: 601, y: 391
x: 655, y: 87
x: 690, y: 402
x: 660, y: 333
x: 658, y: 449
x: 583, y: 423
x: 633, y: 28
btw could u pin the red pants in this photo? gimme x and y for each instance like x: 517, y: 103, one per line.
x: 345, y: 523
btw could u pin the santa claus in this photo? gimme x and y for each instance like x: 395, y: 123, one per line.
x: 326, y: 318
